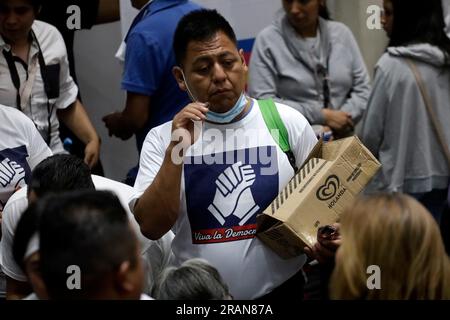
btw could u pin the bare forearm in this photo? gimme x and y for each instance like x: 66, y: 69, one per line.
x: 158, y: 208
x: 77, y: 120
x: 17, y: 290
x: 108, y: 11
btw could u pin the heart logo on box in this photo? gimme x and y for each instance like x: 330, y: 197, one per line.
x: 329, y: 189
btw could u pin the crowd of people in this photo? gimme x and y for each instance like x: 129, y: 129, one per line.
x: 183, y: 224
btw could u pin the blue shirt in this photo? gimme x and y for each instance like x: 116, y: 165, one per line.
x: 149, y: 61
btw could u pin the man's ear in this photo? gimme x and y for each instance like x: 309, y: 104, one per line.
x: 178, y: 74
x: 128, y: 280
x: 244, y: 63
x: 122, y: 278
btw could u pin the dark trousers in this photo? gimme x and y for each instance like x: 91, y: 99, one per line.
x: 290, y: 290
x: 435, y: 201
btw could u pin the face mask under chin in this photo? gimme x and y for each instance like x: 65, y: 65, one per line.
x: 222, y: 118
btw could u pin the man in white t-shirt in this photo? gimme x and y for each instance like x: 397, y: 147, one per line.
x: 21, y: 149
x: 58, y: 174
x: 210, y: 171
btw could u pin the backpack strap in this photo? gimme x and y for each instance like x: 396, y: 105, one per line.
x: 277, y: 128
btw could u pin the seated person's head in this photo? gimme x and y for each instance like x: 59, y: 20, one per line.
x: 210, y: 67
x: 398, y: 235
x: 54, y: 175
x: 89, y: 232
x: 196, y: 279
x: 59, y: 173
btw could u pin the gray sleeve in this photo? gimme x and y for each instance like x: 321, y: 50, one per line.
x: 372, y: 129
x: 356, y: 104
x: 263, y: 77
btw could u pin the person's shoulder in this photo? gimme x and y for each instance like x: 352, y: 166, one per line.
x: 268, y: 33
x: 339, y: 32
x: 42, y: 29
x: 389, y: 64
x: 15, y: 117
x: 106, y: 184
x: 50, y: 39
x: 14, y: 208
x: 291, y: 115
x: 162, y: 130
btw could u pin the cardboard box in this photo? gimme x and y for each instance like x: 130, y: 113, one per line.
x: 330, y: 178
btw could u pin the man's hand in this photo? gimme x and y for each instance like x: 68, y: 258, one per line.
x: 338, y: 120
x: 115, y: 123
x: 92, y: 153
x: 324, y: 251
x: 183, y: 125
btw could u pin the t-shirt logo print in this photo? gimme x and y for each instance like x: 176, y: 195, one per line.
x: 232, y: 186
x: 14, y: 172
x: 11, y: 173
x: 224, y: 196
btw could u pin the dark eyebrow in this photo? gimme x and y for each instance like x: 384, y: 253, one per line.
x: 207, y: 58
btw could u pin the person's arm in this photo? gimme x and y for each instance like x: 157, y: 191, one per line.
x: 337, y: 120
x: 17, y: 290
x: 77, y: 120
x: 324, y: 251
x: 158, y: 208
x: 133, y: 118
x: 108, y: 11
x: 357, y: 102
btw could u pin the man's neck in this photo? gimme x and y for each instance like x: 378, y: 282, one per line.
x: 21, y: 47
x: 245, y: 111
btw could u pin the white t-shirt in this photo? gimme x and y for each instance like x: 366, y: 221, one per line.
x: 222, y: 193
x: 55, y: 53
x: 21, y: 149
x: 157, y: 254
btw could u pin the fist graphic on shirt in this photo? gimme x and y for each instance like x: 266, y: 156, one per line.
x: 233, y: 194
x: 11, y: 173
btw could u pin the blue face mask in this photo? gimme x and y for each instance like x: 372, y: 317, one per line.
x: 228, y: 116
x: 222, y: 118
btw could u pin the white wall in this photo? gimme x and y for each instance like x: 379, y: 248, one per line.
x: 100, y: 74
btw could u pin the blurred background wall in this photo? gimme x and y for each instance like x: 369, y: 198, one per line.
x: 99, y: 73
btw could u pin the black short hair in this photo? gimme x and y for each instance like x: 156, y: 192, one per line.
x: 199, y: 25
x: 36, y: 4
x: 418, y: 21
x: 60, y: 173
x: 88, y: 229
